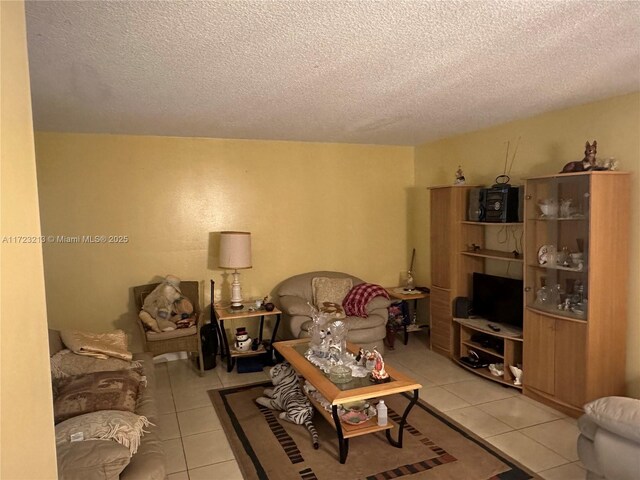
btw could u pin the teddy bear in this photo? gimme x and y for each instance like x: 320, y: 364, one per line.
x: 158, y: 307
x: 183, y: 313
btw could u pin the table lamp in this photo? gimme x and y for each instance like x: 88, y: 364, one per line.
x: 235, y: 254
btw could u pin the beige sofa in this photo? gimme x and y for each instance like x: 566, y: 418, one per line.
x: 609, y: 441
x: 295, y: 292
x: 104, y: 459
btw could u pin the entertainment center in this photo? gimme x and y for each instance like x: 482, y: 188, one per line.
x: 568, y: 331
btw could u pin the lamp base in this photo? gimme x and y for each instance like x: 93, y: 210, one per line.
x: 236, y: 292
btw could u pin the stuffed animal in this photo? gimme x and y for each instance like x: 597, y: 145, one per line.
x: 182, y: 313
x: 158, y: 306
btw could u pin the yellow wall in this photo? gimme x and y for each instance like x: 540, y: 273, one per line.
x: 27, y: 443
x: 308, y: 207
x: 548, y: 142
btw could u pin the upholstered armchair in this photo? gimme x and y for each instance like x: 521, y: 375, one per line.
x: 296, y: 293
x: 179, y: 340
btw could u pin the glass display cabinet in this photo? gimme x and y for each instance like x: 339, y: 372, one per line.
x: 557, y: 257
x: 576, y: 276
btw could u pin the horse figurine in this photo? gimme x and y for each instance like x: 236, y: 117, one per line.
x: 587, y: 163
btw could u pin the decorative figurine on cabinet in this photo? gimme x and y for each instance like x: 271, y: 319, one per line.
x: 587, y: 163
x: 459, y: 177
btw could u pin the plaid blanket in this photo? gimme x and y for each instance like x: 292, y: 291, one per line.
x: 355, y: 303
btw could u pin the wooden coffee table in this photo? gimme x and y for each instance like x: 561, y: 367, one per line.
x: 357, y: 389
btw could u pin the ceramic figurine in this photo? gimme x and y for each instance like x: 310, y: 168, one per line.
x: 378, y: 374
x: 587, y: 163
x: 459, y: 177
x: 517, y: 374
x: 243, y: 340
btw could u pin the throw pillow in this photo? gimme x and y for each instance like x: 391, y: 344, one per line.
x: 91, y: 392
x: 65, y: 363
x: 126, y: 428
x: 620, y: 415
x: 332, y: 290
x: 94, y: 460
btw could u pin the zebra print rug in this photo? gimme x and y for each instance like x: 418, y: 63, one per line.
x: 434, y: 447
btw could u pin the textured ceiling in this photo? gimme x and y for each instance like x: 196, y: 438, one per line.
x: 385, y: 72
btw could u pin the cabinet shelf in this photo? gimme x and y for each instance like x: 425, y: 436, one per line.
x: 557, y: 267
x: 557, y: 219
x: 480, y: 325
x: 484, y: 372
x: 493, y: 254
x: 562, y: 315
x: 493, y: 224
x: 477, y: 346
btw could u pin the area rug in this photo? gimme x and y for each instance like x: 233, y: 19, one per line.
x: 434, y: 447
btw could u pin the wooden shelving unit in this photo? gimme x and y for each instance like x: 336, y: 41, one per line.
x: 509, y: 337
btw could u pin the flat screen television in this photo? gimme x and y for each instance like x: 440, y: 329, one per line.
x: 498, y: 299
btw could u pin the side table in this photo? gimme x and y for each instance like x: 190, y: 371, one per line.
x: 399, y: 293
x: 224, y: 312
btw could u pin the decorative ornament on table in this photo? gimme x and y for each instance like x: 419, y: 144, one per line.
x: 267, y: 305
x: 460, y: 180
x: 587, y: 163
x: 378, y: 373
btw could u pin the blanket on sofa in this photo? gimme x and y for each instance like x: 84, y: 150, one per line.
x: 100, y: 345
x: 355, y: 303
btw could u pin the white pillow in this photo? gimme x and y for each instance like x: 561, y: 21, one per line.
x: 620, y: 415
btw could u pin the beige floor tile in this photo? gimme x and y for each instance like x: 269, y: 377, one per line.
x: 178, y: 476
x: 479, y: 422
x: 232, y: 379
x: 570, y: 471
x: 168, y: 423
x: 220, y: 471
x: 546, y: 408
x: 190, y: 398
x: 480, y: 391
x: 186, y: 377
x: 164, y: 400
x: 198, y: 420
x: 527, y: 451
x: 441, y: 399
x: 561, y: 436
x: 206, y: 448
x: 448, y: 373
x: 174, y: 456
x: 517, y: 413
x: 162, y: 377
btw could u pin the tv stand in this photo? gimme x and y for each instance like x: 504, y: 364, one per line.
x: 503, y: 346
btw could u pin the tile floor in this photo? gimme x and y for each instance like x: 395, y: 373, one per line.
x: 539, y: 437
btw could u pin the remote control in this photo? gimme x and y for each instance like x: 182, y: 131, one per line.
x: 493, y: 327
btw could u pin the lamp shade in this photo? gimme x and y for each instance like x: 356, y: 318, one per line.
x: 235, y: 250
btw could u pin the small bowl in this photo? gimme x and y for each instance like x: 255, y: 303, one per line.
x: 356, y: 406
x: 549, y: 209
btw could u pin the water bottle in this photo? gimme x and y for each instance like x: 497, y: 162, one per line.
x: 382, y: 413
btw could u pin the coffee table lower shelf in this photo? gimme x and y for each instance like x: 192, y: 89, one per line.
x: 349, y: 430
